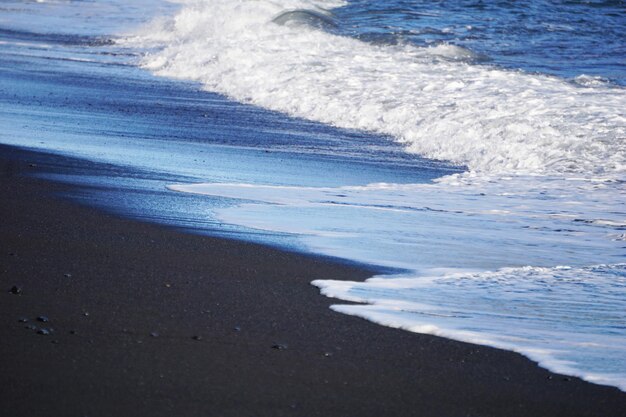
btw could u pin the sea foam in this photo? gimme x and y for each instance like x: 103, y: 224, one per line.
x: 433, y: 99
x: 466, y: 247
x: 573, y: 335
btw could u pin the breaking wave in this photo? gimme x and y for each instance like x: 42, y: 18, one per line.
x: 436, y: 100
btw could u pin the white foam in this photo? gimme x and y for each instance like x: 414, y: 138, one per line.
x: 551, y: 315
x: 450, y: 234
x: 489, y: 119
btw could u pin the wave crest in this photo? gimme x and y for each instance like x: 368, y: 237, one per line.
x: 305, y: 17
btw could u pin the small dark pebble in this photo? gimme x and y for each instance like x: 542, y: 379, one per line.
x: 67, y: 275
x: 196, y: 337
x: 15, y: 290
x: 56, y: 342
x: 328, y: 354
x: 86, y: 313
x: 32, y: 165
x: 154, y: 334
x: 30, y: 327
x: 72, y: 331
x: 43, y: 319
x: 237, y: 328
x: 279, y: 346
x: 567, y: 379
x: 23, y: 320
x: 44, y: 332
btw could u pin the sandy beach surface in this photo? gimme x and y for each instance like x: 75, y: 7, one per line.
x: 144, y: 320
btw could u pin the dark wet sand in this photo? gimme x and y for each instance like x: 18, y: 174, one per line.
x: 113, y: 282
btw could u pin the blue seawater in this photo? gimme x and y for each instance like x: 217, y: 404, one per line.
x: 565, y: 38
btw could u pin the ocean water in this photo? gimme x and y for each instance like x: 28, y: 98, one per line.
x: 476, y: 149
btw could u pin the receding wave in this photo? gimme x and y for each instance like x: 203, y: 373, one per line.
x: 488, y: 119
x: 466, y: 248
x: 457, y: 305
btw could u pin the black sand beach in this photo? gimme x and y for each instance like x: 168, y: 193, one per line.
x: 145, y: 320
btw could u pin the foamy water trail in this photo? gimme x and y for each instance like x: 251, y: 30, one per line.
x: 467, y: 245
x: 574, y: 335
x: 524, y: 251
x: 432, y: 99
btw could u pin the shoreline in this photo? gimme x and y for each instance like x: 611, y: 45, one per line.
x: 127, y: 301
